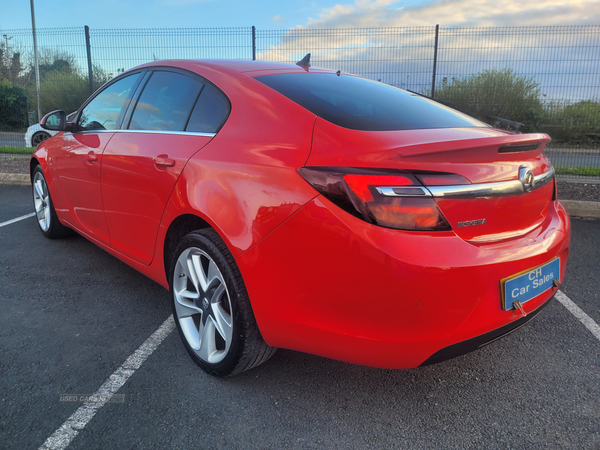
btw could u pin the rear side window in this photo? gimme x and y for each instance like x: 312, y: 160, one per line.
x: 166, y: 102
x: 210, y: 112
x: 104, y: 111
x: 361, y: 104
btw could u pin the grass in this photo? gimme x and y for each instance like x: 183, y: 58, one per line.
x: 589, y: 171
x: 17, y: 150
x: 582, y: 145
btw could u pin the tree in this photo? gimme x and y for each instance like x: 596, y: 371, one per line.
x: 59, y: 90
x: 99, y: 76
x: 495, y: 93
x: 13, y: 106
x: 10, y: 66
x: 576, y: 123
x: 51, y: 60
x: 62, y: 84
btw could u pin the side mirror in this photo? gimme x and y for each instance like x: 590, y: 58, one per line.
x: 54, y: 121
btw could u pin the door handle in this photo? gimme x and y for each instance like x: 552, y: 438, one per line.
x: 92, y: 156
x: 164, y: 161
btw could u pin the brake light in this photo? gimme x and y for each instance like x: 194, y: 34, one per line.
x: 360, y: 183
x: 396, y: 201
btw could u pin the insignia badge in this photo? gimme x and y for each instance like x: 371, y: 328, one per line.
x: 526, y: 178
x: 468, y: 223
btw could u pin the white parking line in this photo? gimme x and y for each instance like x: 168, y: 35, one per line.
x: 62, y: 437
x: 18, y: 219
x: 586, y: 320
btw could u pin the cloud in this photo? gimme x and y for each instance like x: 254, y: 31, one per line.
x: 372, y: 4
x: 331, y: 14
x: 376, y: 7
x: 277, y: 19
x: 475, y: 35
x: 453, y: 13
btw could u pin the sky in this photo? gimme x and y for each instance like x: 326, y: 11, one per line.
x: 564, y: 60
x: 285, y: 14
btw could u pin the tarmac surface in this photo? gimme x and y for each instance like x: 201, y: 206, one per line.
x: 71, y: 314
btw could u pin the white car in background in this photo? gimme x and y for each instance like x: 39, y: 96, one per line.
x: 36, y: 134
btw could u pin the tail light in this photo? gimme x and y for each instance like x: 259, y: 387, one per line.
x: 396, y: 201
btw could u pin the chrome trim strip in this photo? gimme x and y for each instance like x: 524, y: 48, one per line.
x: 498, y: 189
x: 502, y: 188
x: 403, y: 191
x: 184, y: 133
x: 543, y: 179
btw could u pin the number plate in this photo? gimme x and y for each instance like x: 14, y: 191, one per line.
x: 526, y: 285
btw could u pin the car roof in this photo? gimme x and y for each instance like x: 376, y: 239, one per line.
x: 252, y: 68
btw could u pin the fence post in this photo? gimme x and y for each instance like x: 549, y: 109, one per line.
x: 37, y: 65
x: 435, y: 50
x: 253, y: 43
x: 89, y: 59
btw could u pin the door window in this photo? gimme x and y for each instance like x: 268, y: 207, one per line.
x: 166, y: 102
x: 105, y: 110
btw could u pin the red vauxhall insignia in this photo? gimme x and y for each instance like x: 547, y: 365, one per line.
x: 286, y: 206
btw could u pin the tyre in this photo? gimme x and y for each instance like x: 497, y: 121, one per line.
x: 38, y: 138
x: 211, y: 307
x: 46, y: 217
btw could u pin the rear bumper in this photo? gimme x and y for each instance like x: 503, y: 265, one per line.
x: 327, y: 283
x: 460, y: 348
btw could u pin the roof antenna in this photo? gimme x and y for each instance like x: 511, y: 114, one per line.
x: 304, y: 62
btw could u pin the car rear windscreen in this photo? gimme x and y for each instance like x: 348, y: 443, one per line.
x: 362, y: 104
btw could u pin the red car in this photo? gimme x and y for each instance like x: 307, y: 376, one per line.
x: 287, y: 206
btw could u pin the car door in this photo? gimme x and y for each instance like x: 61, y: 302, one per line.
x: 142, y: 162
x: 77, y: 160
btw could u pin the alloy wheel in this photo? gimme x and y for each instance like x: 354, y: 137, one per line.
x: 38, y: 138
x: 41, y: 201
x: 203, y: 305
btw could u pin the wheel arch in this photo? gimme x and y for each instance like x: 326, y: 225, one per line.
x: 33, y: 163
x: 41, y: 160
x: 179, y: 227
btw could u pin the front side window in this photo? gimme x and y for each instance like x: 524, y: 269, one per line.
x: 166, y: 102
x: 104, y: 111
